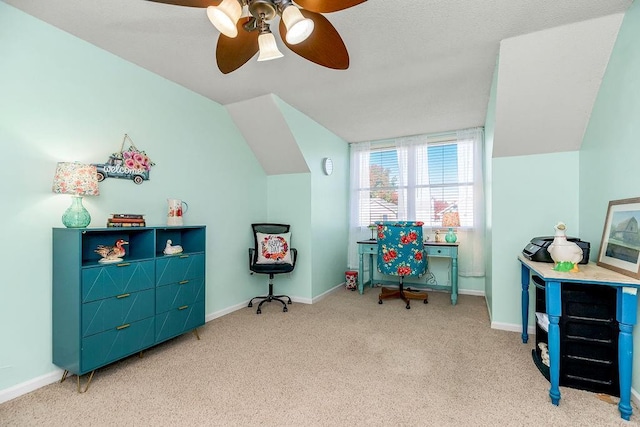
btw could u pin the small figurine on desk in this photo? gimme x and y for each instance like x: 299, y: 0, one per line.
x: 111, y: 253
x: 169, y: 249
x: 565, y: 254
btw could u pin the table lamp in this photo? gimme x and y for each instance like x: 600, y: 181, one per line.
x: 451, y: 220
x: 78, y: 180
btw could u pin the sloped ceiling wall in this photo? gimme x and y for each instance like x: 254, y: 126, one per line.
x: 547, y: 84
x: 264, y: 128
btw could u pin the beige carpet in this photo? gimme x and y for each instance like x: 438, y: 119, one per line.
x: 345, y: 361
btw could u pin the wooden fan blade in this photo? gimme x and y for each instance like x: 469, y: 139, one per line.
x: 324, y: 46
x: 190, y: 3
x: 232, y: 54
x: 326, y: 6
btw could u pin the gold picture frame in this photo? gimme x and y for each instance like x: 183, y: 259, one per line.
x: 620, y: 245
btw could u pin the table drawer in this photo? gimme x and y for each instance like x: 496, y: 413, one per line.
x: 179, y: 320
x: 173, y: 269
x: 441, y: 251
x: 178, y: 294
x: 109, y: 313
x: 109, y: 346
x: 116, y: 279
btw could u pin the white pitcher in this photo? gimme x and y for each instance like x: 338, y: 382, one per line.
x: 177, y: 208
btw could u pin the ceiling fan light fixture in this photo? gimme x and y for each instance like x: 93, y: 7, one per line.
x: 298, y: 27
x: 268, y: 47
x: 225, y: 17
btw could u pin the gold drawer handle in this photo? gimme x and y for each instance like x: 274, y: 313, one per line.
x: 123, y: 326
x: 183, y: 282
x: 123, y: 296
x: 123, y: 264
x: 184, y: 256
x: 183, y: 307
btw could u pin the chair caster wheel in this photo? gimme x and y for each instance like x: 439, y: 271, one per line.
x: 408, y: 307
x: 258, y: 311
x: 285, y: 309
x: 250, y: 304
x: 379, y: 301
x: 426, y: 301
x: 289, y: 302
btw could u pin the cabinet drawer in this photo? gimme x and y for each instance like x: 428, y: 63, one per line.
x: 174, y: 269
x: 441, y: 251
x: 106, y: 347
x: 98, y: 316
x: 179, y: 294
x: 116, y: 279
x: 179, y: 320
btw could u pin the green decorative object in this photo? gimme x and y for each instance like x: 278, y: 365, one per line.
x: 564, y: 266
x: 450, y: 237
x: 76, y: 216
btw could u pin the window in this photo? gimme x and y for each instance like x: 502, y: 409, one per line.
x: 418, y: 182
x: 419, y: 178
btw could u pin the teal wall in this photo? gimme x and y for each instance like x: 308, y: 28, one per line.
x: 530, y: 194
x: 611, y: 146
x: 329, y: 202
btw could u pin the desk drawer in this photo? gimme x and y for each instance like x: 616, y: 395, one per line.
x: 441, y: 251
x: 368, y: 249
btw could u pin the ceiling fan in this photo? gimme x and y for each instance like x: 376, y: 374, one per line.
x: 244, y: 27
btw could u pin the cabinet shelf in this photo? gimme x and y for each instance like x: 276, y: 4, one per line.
x: 588, y: 337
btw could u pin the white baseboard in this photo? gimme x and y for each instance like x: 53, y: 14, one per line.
x: 29, y: 386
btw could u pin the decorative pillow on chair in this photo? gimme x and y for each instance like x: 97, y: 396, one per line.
x: 274, y: 248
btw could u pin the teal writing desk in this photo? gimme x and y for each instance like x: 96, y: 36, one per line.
x: 591, y: 274
x: 433, y: 249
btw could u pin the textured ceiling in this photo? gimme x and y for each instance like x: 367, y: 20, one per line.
x: 417, y: 66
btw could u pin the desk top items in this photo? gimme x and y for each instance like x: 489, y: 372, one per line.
x: 78, y: 180
x: 126, y: 220
x: 373, y: 228
x: 564, y: 253
x: 176, y: 209
x: 130, y: 164
x: 451, y: 220
x: 113, y: 253
x: 171, y: 249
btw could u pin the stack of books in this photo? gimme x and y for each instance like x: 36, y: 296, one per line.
x: 126, y: 220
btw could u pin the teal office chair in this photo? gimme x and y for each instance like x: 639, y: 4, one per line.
x: 401, y: 253
x: 271, y: 254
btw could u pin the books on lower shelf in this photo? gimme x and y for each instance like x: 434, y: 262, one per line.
x: 126, y: 220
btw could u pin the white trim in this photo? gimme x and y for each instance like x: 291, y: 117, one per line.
x: 30, y: 385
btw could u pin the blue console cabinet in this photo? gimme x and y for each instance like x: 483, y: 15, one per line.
x: 104, y: 312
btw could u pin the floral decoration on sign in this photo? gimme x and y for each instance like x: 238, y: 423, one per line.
x: 130, y: 163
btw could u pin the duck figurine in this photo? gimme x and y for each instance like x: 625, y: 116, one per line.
x: 112, y: 253
x: 171, y: 249
x: 564, y: 253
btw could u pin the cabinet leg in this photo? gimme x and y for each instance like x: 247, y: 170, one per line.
x: 195, y: 331
x: 88, y: 383
x: 64, y: 376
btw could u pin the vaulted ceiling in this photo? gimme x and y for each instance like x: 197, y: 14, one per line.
x: 416, y: 67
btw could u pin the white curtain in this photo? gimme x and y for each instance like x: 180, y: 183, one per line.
x: 414, y: 203
x: 358, y: 200
x: 471, y: 249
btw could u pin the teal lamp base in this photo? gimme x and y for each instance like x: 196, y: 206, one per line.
x: 450, y: 237
x: 76, y: 216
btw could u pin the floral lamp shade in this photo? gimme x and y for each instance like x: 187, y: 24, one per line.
x: 79, y: 180
x: 451, y: 220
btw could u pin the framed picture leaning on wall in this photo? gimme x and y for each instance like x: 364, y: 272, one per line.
x: 620, y: 246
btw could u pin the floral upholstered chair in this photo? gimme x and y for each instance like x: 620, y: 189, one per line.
x: 401, y: 253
